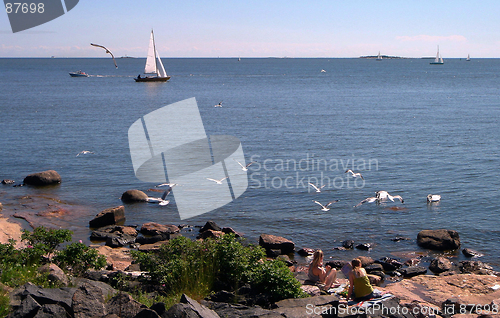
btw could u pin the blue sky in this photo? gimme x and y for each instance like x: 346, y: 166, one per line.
x: 256, y: 28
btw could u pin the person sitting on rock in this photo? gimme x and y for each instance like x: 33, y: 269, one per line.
x: 318, y: 274
x: 359, y: 283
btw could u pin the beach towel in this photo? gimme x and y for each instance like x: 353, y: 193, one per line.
x: 372, y: 301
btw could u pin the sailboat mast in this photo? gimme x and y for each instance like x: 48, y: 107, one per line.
x: 154, y: 47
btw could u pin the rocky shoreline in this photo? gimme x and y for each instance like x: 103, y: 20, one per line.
x: 470, y: 287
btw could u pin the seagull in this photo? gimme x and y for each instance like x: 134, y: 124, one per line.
x: 217, y: 181
x: 433, y: 198
x: 160, y: 201
x: 367, y: 200
x: 357, y: 174
x: 107, y: 51
x: 166, y: 185
x: 316, y: 188
x: 323, y: 71
x: 85, y: 152
x: 219, y: 104
x: 325, y: 207
x: 382, y: 196
x: 244, y: 168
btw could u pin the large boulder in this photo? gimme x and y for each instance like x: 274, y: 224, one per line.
x: 152, y: 228
x: 124, y: 306
x: 441, y: 240
x: 88, y: 301
x: 273, y: 242
x: 55, y: 274
x: 109, y: 216
x: 131, y: 196
x: 43, y: 178
x: 190, y: 308
x: 412, y: 271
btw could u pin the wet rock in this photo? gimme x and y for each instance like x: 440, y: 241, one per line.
x: 471, y: 253
x: 43, y: 178
x: 210, y: 234
x: 389, y: 264
x: 440, y: 264
x: 374, y: 268
x: 269, y: 242
x: 348, y: 244
x: 229, y: 230
x: 131, y: 196
x: 210, y: 225
x: 8, y: 181
x: 109, y: 216
x: 475, y: 267
x: 441, y: 240
x: 305, y: 251
x: 400, y: 238
x: 364, y: 246
x: 337, y: 264
x: 412, y: 271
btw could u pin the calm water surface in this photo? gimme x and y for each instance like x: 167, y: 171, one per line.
x: 409, y: 127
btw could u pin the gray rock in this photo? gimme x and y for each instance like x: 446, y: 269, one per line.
x: 55, y: 274
x: 109, y: 216
x: 52, y: 311
x: 88, y: 301
x: 152, y: 228
x: 412, y: 271
x: 62, y: 296
x: 441, y: 240
x: 43, y: 178
x: 29, y: 307
x: 210, y: 225
x: 181, y: 311
x: 124, y: 306
x: 131, y: 196
x: 202, y: 311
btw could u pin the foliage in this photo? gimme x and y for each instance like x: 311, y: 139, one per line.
x: 78, y: 258
x: 46, y: 239
x: 200, y: 267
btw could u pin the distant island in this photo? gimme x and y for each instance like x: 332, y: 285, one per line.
x: 382, y: 56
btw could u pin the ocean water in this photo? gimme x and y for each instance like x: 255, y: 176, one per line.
x: 409, y: 127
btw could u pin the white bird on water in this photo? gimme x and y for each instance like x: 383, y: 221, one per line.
x: 382, y: 196
x: 85, y: 152
x: 325, y: 207
x: 162, y: 201
x: 355, y: 175
x: 217, y: 181
x: 244, y: 168
x: 315, y: 187
x: 433, y: 198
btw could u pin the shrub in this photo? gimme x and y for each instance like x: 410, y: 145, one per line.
x: 46, y: 239
x: 78, y: 258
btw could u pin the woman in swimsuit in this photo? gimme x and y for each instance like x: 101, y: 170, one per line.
x: 319, y: 274
x: 359, y: 283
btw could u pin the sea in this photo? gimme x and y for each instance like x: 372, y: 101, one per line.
x: 409, y: 127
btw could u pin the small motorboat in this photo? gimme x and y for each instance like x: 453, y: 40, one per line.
x: 78, y: 74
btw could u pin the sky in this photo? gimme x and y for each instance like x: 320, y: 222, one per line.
x: 256, y: 28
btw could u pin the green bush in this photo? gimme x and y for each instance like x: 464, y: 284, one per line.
x: 46, y: 239
x: 200, y: 267
x: 78, y: 258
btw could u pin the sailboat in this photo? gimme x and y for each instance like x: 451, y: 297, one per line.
x: 438, y: 60
x: 154, y: 70
x: 468, y: 58
x: 379, y: 57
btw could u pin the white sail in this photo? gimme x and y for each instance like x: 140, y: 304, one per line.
x: 151, y: 60
x: 436, y: 60
x: 161, y: 69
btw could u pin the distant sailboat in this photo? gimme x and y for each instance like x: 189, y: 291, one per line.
x: 154, y: 70
x: 468, y: 58
x: 379, y: 57
x: 438, y: 60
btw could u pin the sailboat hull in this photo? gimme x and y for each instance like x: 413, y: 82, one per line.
x: 152, y: 79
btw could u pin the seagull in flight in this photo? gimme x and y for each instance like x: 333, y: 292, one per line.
x: 244, y: 168
x: 433, y: 198
x: 357, y: 174
x: 217, y: 181
x: 85, y: 152
x: 166, y: 185
x: 107, y: 51
x: 382, y: 196
x: 367, y: 200
x: 315, y: 187
x: 219, y: 104
x: 325, y: 207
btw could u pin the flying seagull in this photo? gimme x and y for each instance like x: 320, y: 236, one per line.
x: 315, y: 187
x: 382, y: 196
x: 219, y: 104
x: 166, y: 185
x: 367, y: 200
x: 433, y: 198
x: 357, y: 174
x: 244, y: 168
x: 217, y: 181
x: 85, y: 152
x: 107, y: 51
x: 325, y: 207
